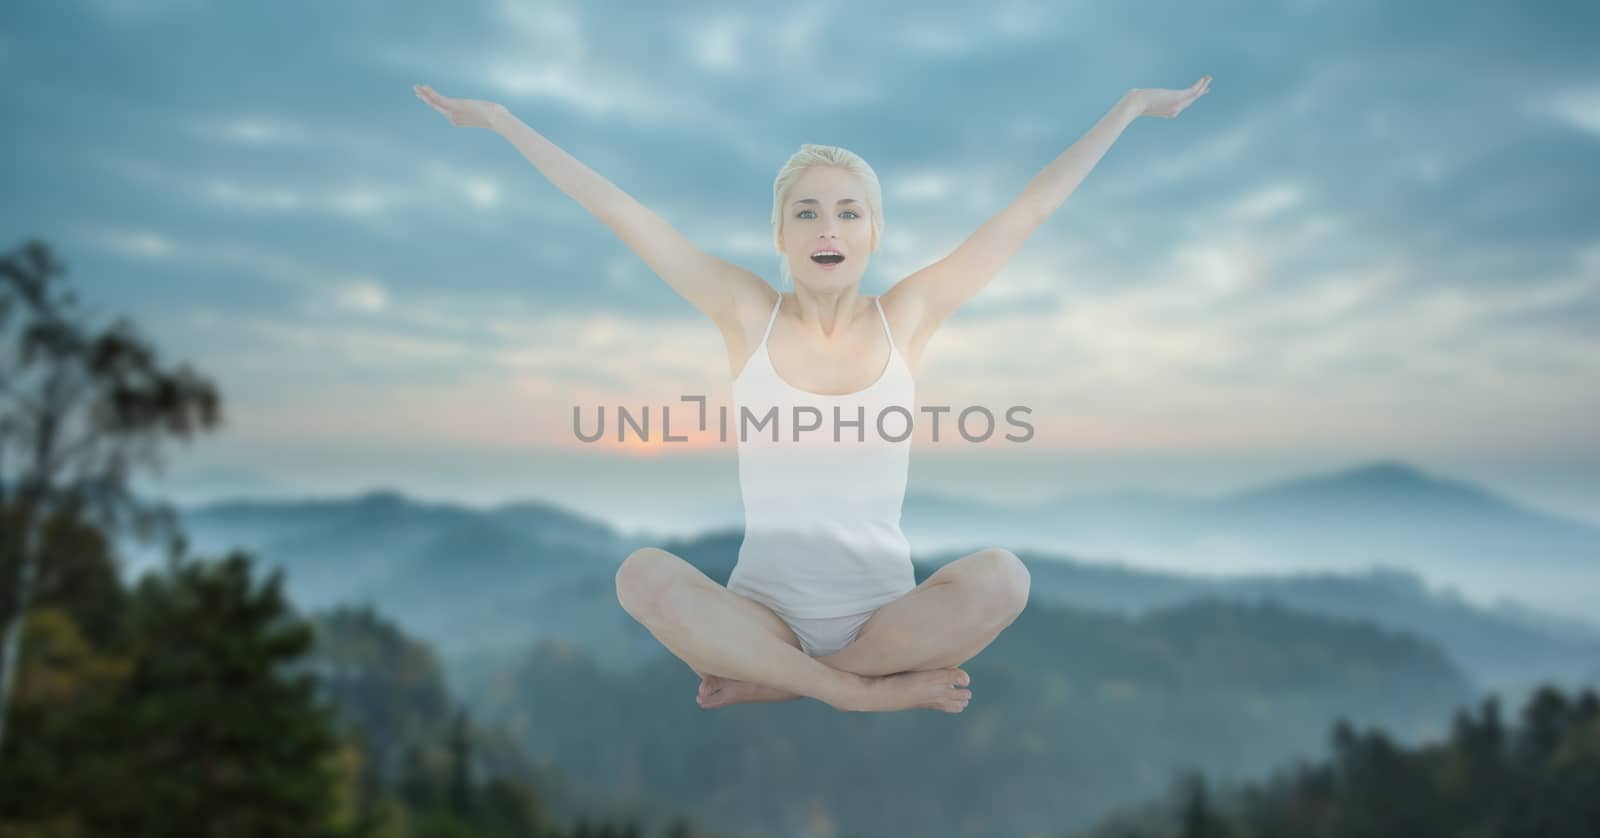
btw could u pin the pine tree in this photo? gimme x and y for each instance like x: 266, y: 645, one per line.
x: 81, y: 408
x: 1199, y: 820
x: 460, y: 767
x: 220, y: 742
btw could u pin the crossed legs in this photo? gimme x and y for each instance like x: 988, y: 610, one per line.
x: 954, y: 614
x: 945, y: 621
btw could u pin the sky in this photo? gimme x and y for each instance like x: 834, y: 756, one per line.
x: 1374, y: 238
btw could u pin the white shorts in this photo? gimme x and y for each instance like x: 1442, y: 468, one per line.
x: 825, y: 635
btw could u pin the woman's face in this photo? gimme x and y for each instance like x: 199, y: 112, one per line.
x: 826, y: 209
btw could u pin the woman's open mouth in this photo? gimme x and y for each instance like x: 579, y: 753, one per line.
x: 827, y: 259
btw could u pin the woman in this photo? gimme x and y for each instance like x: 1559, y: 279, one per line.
x: 821, y: 602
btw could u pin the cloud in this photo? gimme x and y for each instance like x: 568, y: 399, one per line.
x: 545, y: 53
x: 354, y: 346
x: 136, y: 243
x: 362, y: 296
x: 268, y: 130
x: 920, y: 186
x: 1578, y: 107
x: 796, y: 34
x: 1271, y: 200
x: 244, y: 263
x: 715, y: 44
x: 230, y: 193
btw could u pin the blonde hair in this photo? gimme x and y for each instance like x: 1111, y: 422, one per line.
x: 822, y: 155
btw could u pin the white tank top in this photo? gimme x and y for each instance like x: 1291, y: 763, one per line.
x: 822, y: 518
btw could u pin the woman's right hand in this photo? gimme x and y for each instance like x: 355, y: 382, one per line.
x: 472, y: 113
x: 1155, y: 101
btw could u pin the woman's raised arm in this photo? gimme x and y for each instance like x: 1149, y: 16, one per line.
x: 709, y: 284
x: 936, y: 291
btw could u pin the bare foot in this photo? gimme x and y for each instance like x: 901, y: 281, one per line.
x: 717, y: 691
x: 906, y: 690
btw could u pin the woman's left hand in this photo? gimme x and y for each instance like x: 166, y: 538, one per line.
x: 1155, y: 101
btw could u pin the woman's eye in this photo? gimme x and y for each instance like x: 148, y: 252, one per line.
x: 802, y: 214
x: 853, y: 213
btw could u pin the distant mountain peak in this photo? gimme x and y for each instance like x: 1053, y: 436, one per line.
x: 382, y: 497
x: 1377, y: 479
x: 1388, y: 472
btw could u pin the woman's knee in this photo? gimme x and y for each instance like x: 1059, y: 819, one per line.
x: 644, y: 574
x: 1004, y: 580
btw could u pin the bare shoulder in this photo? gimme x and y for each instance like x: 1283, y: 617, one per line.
x: 745, y: 319
x: 906, y: 309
